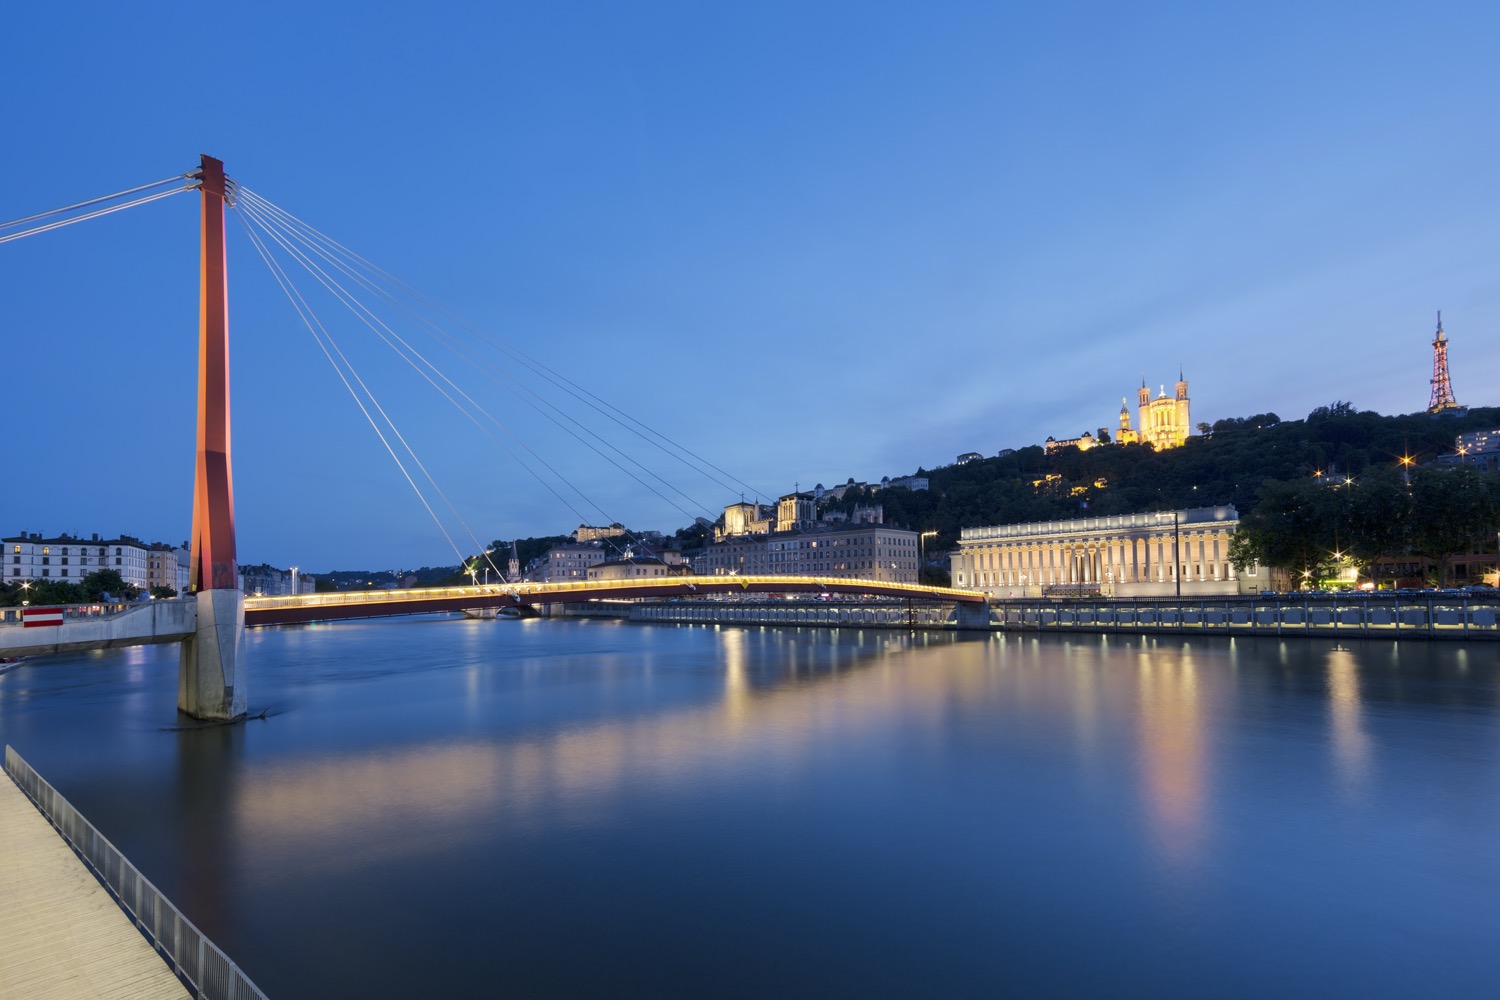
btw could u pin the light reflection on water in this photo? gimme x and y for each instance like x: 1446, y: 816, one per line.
x: 586, y: 808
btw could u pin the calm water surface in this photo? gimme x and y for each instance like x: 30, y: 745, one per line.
x: 443, y: 807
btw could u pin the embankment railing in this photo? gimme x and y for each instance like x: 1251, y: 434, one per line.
x: 193, y: 957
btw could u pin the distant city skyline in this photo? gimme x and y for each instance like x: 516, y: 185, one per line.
x: 808, y: 244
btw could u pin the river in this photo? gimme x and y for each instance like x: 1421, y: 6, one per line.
x: 444, y: 807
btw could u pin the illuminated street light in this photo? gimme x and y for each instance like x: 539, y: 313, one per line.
x: 922, y: 552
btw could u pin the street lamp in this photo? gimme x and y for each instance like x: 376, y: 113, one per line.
x: 1176, y: 553
x: 922, y: 552
x: 25, y: 593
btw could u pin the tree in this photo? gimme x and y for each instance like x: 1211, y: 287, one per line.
x: 1335, y: 410
x: 107, y: 581
x: 1379, y: 517
x: 161, y: 593
x: 1293, y: 528
x: 40, y: 592
x: 1458, y: 508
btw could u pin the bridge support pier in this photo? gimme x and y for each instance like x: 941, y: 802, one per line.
x: 210, y: 676
x: 968, y: 614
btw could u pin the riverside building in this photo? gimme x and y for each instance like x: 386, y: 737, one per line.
x: 866, y: 550
x: 67, y: 559
x: 1130, y: 555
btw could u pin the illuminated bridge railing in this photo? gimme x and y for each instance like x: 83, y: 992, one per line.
x: 781, y: 613
x: 192, y: 956
x: 540, y: 593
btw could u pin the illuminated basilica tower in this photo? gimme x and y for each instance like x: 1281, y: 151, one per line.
x: 1165, y: 420
x: 1125, y: 435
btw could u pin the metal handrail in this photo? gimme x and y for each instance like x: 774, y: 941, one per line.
x: 193, y: 957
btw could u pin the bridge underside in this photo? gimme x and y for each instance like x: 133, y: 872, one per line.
x: 338, y: 607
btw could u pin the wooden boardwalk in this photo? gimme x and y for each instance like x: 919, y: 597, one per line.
x: 61, y: 933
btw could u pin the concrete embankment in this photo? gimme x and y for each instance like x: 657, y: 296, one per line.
x: 139, y: 624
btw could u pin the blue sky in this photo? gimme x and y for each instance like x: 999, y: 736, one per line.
x: 808, y: 241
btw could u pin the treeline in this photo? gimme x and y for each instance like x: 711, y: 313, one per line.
x: 97, y: 586
x: 1228, y: 465
x: 1308, y: 527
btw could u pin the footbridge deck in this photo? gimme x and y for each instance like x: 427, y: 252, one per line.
x: 527, y: 596
x: 109, y: 626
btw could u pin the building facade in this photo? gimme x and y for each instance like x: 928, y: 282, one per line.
x: 794, y: 511
x: 1481, y: 449
x: 744, y: 519
x: 632, y: 568
x: 854, y: 551
x: 161, y: 566
x: 570, y: 562
x: 266, y: 580
x: 1132, y: 555
x: 67, y: 559
x: 593, y: 533
x: 1082, y: 442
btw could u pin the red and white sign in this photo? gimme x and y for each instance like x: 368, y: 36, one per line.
x: 33, y: 617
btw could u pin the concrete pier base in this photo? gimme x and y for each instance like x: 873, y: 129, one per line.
x: 967, y: 614
x: 211, y: 675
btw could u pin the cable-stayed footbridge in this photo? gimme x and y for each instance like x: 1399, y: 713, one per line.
x: 209, y: 623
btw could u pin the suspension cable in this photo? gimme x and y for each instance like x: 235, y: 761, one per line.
x: 92, y: 201
x: 299, y: 304
x: 268, y: 214
x: 284, y: 228
x: 407, y: 352
x: 94, y: 214
x: 536, y: 367
x: 317, y: 274
x: 493, y: 371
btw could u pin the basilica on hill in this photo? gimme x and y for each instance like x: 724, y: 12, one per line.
x: 1164, y: 422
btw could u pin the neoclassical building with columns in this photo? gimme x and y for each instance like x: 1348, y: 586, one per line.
x: 1129, y: 555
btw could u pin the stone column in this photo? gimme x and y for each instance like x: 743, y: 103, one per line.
x: 210, y: 676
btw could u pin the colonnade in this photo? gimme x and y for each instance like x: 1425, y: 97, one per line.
x: 1202, y: 556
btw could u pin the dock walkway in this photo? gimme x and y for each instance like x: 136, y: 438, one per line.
x: 61, y: 933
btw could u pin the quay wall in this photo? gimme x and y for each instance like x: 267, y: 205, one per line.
x: 1417, y: 616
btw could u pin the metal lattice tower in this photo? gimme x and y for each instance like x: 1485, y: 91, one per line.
x: 1442, y: 387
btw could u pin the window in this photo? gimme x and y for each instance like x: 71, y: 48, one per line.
x: 46, y: 560
x: 117, y: 560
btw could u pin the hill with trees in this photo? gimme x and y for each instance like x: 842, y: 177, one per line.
x: 1231, y: 464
